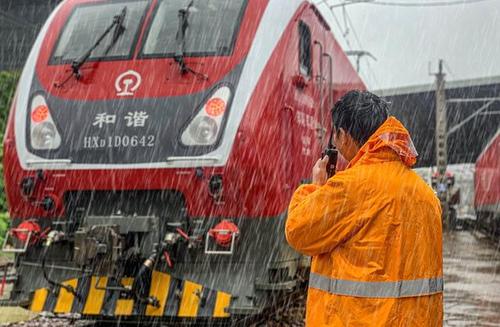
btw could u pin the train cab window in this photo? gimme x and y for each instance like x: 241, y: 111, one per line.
x: 305, y: 56
x: 211, y: 28
x: 88, y: 22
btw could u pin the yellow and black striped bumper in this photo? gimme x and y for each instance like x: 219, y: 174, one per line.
x: 177, y: 298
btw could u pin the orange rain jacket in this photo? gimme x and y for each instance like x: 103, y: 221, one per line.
x: 374, y: 233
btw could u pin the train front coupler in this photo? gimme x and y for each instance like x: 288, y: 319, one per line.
x: 107, y: 251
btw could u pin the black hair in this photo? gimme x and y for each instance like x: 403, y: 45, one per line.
x: 360, y: 113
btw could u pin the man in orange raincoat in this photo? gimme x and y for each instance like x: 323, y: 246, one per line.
x: 373, y: 230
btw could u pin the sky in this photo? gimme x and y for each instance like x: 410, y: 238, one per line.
x: 405, y: 40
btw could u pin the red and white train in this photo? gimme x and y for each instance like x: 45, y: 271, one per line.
x: 487, y: 188
x: 153, y: 146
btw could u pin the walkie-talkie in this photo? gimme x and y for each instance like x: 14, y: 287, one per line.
x: 332, y: 153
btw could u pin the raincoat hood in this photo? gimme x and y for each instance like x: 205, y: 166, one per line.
x: 389, y: 141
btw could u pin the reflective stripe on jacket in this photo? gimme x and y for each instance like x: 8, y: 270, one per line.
x: 374, y: 232
x: 399, y: 289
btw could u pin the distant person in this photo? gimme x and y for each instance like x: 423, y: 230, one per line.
x: 373, y: 230
x: 448, y: 193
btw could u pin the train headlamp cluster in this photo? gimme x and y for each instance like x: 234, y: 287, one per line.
x: 44, y: 134
x: 205, y: 128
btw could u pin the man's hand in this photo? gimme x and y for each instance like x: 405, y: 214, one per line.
x: 319, y: 176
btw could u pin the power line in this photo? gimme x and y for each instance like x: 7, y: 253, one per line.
x: 346, y: 26
x: 337, y: 22
x: 401, y: 4
x: 343, y: 4
x: 349, y: 26
x: 321, y: 2
x: 424, y: 4
x: 372, y: 74
x: 448, y: 68
x: 349, y: 2
x: 348, y: 22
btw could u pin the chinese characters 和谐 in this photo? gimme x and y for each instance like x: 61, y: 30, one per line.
x: 133, y: 119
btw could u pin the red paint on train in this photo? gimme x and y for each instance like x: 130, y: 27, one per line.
x: 280, y: 136
x: 487, y: 180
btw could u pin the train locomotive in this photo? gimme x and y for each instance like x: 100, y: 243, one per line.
x: 152, y: 148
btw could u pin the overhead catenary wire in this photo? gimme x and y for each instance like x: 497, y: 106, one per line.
x: 439, y: 3
x: 321, y: 2
x: 339, y: 25
x: 372, y: 74
x: 346, y: 26
x: 448, y: 68
x: 424, y: 4
x: 344, y: 31
x: 348, y: 20
x: 326, y: 3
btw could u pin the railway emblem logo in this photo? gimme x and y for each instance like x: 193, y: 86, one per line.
x: 127, y: 83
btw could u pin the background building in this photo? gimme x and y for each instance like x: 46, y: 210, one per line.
x: 415, y: 106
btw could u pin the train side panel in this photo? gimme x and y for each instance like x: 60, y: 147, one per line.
x: 487, y: 187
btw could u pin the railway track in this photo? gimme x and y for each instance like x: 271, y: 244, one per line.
x: 289, y: 310
x: 50, y: 320
x: 290, y: 313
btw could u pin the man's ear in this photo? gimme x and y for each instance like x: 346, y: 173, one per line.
x: 348, y: 139
x: 342, y: 136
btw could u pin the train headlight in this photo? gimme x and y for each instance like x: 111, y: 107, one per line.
x: 205, y: 127
x: 44, y: 134
x: 203, y: 130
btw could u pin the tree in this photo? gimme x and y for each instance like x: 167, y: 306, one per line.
x: 8, y: 82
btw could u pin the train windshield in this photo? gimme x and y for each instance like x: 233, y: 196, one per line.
x: 212, y: 26
x: 88, y: 23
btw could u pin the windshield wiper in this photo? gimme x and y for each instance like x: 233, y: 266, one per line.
x: 117, y: 24
x: 180, y: 39
x: 118, y: 21
x: 119, y: 28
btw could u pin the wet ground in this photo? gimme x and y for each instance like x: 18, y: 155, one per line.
x: 472, y: 280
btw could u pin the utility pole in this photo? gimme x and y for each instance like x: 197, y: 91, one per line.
x: 442, y: 145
